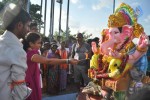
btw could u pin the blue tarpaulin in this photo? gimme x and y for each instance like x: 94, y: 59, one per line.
x: 71, y: 96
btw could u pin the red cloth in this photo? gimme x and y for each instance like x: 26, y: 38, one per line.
x: 33, y: 77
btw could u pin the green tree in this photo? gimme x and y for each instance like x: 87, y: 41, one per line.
x: 85, y: 35
x: 34, y: 9
x: 1, y: 5
x: 62, y: 34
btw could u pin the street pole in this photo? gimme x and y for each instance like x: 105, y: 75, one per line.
x: 67, y: 28
x: 113, y: 6
x: 60, y: 18
x: 51, y: 20
x: 60, y: 1
x: 45, y: 16
x: 40, y: 14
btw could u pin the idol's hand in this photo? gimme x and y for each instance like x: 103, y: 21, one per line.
x: 143, y: 41
x: 114, y: 53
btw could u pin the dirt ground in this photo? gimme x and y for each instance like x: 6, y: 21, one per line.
x: 71, y: 88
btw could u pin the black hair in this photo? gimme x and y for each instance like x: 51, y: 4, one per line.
x: 33, y: 23
x: 43, y: 49
x: 23, y: 17
x: 120, y: 29
x: 63, y: 42
x: 79, y: 35
x: 149, y: 37
x: 30, y: 37
x: 89, y: 41
x: 96, y: 40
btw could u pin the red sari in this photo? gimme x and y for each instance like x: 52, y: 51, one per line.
x: 33, y: 76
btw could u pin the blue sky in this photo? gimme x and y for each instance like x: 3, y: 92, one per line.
x: 91, y: 16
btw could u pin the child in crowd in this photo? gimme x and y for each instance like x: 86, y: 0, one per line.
x: 31, y: 45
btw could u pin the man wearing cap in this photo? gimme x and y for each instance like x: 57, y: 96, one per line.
x: 15, y: 20
x: 79, y: 51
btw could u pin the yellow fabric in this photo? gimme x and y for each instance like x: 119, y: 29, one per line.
x: 114, y: 71
x: 94, y: 61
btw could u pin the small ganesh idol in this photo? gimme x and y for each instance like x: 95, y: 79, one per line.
x: 121, y: 63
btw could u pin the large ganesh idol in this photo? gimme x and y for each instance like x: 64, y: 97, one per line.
x: 122, y: 63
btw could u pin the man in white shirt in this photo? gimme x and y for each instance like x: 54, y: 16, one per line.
x: 15, y: 21
x: 79, y: 51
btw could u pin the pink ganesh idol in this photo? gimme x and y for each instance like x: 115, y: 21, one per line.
x: 125, y: 62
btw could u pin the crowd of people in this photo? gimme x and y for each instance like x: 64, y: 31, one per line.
x: 19, y: 47
x: 29, y: 66
x: 55, y: 76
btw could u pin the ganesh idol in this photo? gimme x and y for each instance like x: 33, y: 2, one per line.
x: 119, y: 65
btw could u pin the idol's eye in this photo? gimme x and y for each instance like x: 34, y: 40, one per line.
x: 115, y: 65
x: 116, y: 32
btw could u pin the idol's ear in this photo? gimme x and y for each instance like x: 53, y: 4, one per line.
x: 127, y: 30
x: 105, y: 35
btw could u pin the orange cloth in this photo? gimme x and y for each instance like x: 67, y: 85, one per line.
x: 64, y: 55
x: 14, y: 83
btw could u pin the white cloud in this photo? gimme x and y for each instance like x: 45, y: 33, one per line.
x: 74, y: 1
x: 36, y: 2
x: 147, y: 19
x: 75, y: 27
x: 81, y: 6
x: 74, y: 24
x: 95, y: 31
x: 56, y: 20
x: 135, y: 4
x: 101, y: 4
